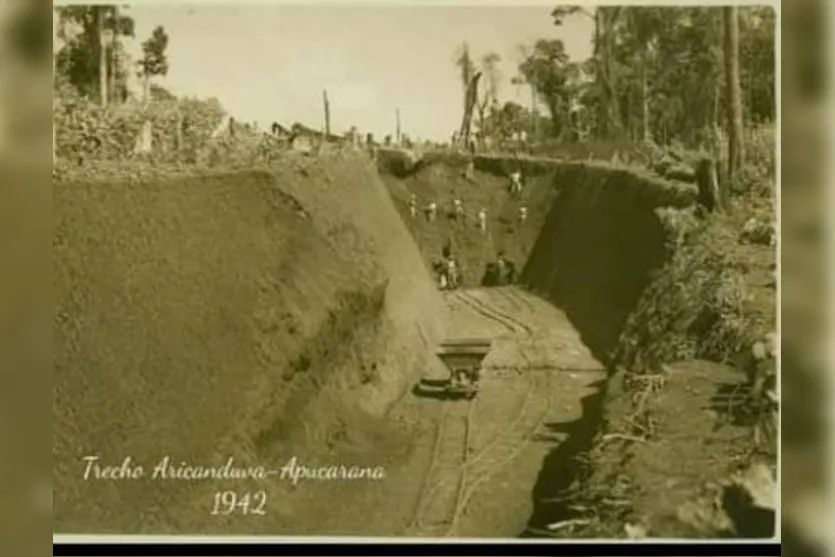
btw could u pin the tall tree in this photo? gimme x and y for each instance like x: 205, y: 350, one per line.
x: 469, y: 81
x: 490, y: 95
x: 643, y: 22
x: 606, y: 19
x: 553, y: 76
x: 736, y: 155
x: 154, y: 60
x: 99, y: 14
x: 84, y: 60
x: 466, y: 68
x: 117, y: 25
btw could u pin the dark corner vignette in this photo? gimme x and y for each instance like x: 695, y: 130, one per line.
x: 495, y: 287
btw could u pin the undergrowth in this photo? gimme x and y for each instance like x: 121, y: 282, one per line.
x: 699, y: 305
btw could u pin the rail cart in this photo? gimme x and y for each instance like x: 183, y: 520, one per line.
x: 463, y: 358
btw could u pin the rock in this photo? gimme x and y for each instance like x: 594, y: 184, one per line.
x: 705, y: 515
x: 750, y: 500
x: 760, y: 484
x: 635, y: 531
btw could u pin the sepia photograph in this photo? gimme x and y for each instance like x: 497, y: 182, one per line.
x: 413, y: 271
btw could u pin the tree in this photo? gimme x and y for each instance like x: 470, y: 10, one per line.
x: 736, y: 155
x: 604, y: 41
x: 466, y: 71
x: 154, y: 60
x: 658, y: 73
x: 548, y: 70
x: 642, y: 22
x: 56, y: 28
x: 117, y: 25
x: 91, y: 47
x: 490, y: 96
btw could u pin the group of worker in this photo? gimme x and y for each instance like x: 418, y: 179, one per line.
x: 457, y: 213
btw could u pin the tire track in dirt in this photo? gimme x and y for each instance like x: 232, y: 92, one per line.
x: 521, y: 297
x: 514, y: 297
x: 503, y: 294
x: 489, y: 311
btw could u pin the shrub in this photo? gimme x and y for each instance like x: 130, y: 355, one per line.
x: 695, y: 305
x: 86, y: 131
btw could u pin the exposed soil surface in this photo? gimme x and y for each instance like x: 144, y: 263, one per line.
x: 286, y: 314
x: 472, y: 463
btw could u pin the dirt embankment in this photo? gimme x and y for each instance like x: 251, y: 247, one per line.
x: 248, y: 314
x: 599, y: 245
x: 595, y: 243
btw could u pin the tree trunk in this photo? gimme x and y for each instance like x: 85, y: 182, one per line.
x: 54, y: 96
x: 612, y: 124
x: 146, y: 88
x: 111, y: 63
x: 100, y: 14
x: 602, y: 111
x: 534, y: 123
x: 736, y: 154
x: 646, y: 134
x: 469, y: 105
x: 327, y: 113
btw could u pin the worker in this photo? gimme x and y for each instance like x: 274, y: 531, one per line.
x: 515, y: 182
x: 458, y: 209
x: 431, y: 211
x: 452, y: 272
x: 523, y: 214
x: 413, y: 205
x: 482, y: 220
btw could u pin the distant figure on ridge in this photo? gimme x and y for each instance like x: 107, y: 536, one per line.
x: 413, y: 205
x: 523, y: 214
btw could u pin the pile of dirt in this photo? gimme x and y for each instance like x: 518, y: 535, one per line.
x: 246, y: 314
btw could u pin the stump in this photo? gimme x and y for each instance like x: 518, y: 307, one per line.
x: 707, y: 180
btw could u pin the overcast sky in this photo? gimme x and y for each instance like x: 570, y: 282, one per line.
x: 271, y: 62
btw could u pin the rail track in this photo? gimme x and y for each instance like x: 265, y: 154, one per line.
x: 456, y: 472
x: 509, y: 322
x: 516, y: 300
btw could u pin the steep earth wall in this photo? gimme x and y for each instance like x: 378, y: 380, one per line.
x: 599, y: 245
x: 205, y: 316
x: 591, y: 243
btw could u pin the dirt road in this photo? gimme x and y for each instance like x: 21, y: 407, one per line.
x: 474, y: 465
x: 488, y: 452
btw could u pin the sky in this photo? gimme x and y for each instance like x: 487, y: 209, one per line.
x: 269, y: 63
